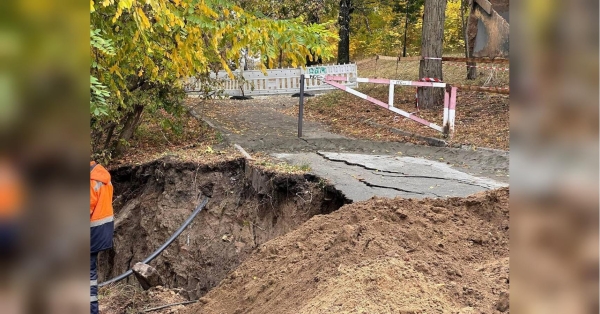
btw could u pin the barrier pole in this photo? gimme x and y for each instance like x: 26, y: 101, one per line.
x: 445, y: 124
x: 452, y: 109
x: 386, y: 106
x: 391, y: 96
x: 301, y: 106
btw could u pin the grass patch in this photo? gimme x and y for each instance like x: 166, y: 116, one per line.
x: 283, y: 167
x: 269, y: 163
x: 194, y: 142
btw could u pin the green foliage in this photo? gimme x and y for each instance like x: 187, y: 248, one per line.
x: 164, y: 41
x: 103, y: 45
x: 141, y: 51
x: 313, y: 11
x: 305, y: 167
x: 319, y: 16
x: 408, y: 8
x: 163, y: 105
x: 99, y: 94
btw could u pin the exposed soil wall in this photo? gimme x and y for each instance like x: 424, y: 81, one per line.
x: 248, y: 206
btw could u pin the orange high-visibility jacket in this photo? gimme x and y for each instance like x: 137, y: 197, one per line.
x: 11, y: 193
x: 101, y: 210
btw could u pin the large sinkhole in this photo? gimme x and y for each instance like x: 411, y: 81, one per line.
x: 248, y: 206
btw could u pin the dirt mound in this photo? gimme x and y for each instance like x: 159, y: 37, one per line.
x: 248, y: 206
x: 379, y: 256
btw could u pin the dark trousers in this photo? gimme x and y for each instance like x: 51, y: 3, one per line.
x: 93, y: 283
x: 9, y: 240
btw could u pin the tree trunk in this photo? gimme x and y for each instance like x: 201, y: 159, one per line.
x: 432, y: 47
x: 111, y: 128
x: 344, y: 32
x: 313, y: 18
x: 405, y: 29
x: 472, y: 72
x: 315, y: 59
x: 466, y: 10
x: 131, y: 122
x: 280, y: 58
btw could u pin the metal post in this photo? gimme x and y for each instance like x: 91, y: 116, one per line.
x: 391, y: 95
x: 301, y: 109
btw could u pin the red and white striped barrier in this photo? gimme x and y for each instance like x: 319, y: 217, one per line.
x: 430, y: 79
x: 449, y: 100
x: 449, y: 110
x: 424, y: 79
x: 399, y: 82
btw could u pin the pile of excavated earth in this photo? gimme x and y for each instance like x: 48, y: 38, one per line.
x: 290, y: 243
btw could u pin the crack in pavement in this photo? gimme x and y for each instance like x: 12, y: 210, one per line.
x: 371, y: 185
x: 318, y: 142
x: 380, y: 172
x: 428, y: 177
x: 355, y: 164
x: 306, y: 141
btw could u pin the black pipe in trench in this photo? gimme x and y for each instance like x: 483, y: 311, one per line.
x: 164, y: 246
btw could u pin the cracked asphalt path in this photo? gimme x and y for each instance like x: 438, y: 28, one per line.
x: 359, y: 168
x: 361, y: 176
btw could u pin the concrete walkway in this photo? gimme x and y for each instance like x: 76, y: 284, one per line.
x: 359, y: 168
x: 361, y: 176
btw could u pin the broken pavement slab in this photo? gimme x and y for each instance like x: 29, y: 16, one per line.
x: 361, y: 176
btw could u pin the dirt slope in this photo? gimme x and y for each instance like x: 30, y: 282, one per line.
x: 379, y: 256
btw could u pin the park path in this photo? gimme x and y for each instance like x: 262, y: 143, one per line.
x: 359, y: 168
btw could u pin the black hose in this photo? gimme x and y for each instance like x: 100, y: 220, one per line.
x: 164, y: 246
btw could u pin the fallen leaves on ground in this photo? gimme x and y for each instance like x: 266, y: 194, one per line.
x: 481, y: 119
x: 196, y: 143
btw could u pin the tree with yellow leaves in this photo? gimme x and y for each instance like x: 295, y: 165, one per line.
x: 142, y: 49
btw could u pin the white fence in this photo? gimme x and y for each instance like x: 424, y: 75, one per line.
x: 277, y: 81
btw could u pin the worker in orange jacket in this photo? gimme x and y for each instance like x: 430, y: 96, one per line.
x: 11, y: 208
x: 102, y: 223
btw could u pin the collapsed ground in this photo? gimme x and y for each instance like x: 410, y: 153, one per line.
x: 285, y: 243
x: 275, y: 238
x: 248, y: 206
